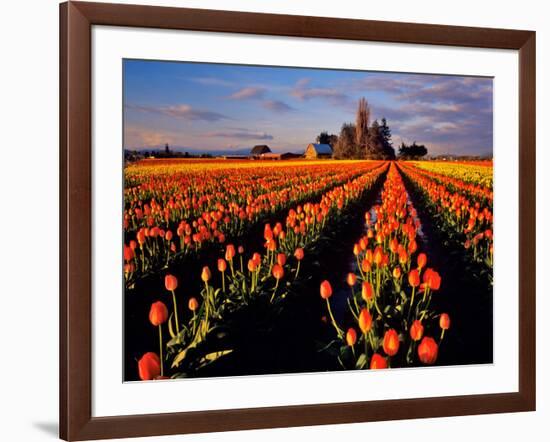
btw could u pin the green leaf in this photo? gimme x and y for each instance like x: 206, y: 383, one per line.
x: 361, y: 361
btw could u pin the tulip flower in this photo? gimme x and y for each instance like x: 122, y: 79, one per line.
x: 222, y: 267
x: 351, y: 337
x: 427, y: 350
x: 326, y: 293
x: 158, y: 316
x: 444, y: 324
x: 365, y: 321
x: 351, y: 279
x: 391, y: 342
x: 367, y: 291
x: 326, y: 290
x: 397, y: 272
x: 414, y: 281
x: 205, y: 274
x: 417, y: 330
x: 299, y: 255
x: 193, y: 304
x: 281, y: 259
x: 421, y: 260
x: 378, y: 362
x: 171, y: 284
x: 431, y: 279
x: 149, y: 366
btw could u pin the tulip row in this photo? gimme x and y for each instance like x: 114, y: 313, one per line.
x: 392, y: 324
x: 267, y: 277
x: 222, y: 210
x: 476, y: 173
x: 462, y: 216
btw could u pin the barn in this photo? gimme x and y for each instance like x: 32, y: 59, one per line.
x: 314, y: 150
x: 260, y: 149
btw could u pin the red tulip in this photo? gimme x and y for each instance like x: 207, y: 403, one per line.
x: 365, y: 320
x: 351, y: 337
x: 193, y: 304
x: 170, y: 282
x: 427, y: 350
x: 432, y: 279
x: 414, y: 278
x: 391, y: 342
x: 281, y: 259
x: 378, y: 362
x: 229, y: 252
x: 222, y: 265
x: 278, y: 271
x: 252, y: 265
x: 299, y: 253
x: 421, y: 260
x: 326, y: 290
x: 149, y: 366
x: 367, y: 291
x: 128, y: 253
x: 351, y: 279
x: 158, y: 313
x: 444, y: 321
x: 206, y: 275
x: 416, y: 330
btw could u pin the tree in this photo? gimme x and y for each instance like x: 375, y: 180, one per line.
x: 414, y: 151
x: 362, y: 119
x: 385, y: 135
x: 325, y: 138
x: 346, y: 148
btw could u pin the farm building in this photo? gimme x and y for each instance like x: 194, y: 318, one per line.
x: 279, y: 156
x: 259, y: 150
x: 318, y: 151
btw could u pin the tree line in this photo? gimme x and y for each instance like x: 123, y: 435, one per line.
x: 363, y: 140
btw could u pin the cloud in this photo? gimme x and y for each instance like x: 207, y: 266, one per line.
x: 242, y: 134
x: 277, y: 106
x: 212, y: 81
x: 183, y: 111
x: 248, y: 93
x: 135, y: 136
x: 303, y: 91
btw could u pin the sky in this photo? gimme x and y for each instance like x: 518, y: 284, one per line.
x: 205, y: 107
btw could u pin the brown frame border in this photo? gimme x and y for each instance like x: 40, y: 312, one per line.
x: 76, y: 20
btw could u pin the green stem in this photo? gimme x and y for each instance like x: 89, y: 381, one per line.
x: 338, y: 329
x: 176, y: 312
x: 160, y: 351
x: 297, y: 270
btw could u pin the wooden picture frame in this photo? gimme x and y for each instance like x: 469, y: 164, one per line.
x: 76, y: 21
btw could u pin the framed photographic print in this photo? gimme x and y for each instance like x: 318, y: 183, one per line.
x: 273, y: 220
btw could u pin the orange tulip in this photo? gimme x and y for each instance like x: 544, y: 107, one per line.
x: 414, y: 278
x: 367, y: 291
x: 397, y: 272
x: 158, y: 313
x: 421, y: 260
x: 427, y: 350
x: 281, y: 259
x: 326, y: 290
x: 128, y: 253
x: 299, y: 253
x: 365, y: 320
x: 351, y: 337
x: 193, y: 304
x: 444, y: 321
x: 432, y: 279
x: 351, y: 279
x: 417, y: 330
x: 205, y: 275
x: 278, y: 271
x: 170, y: 282
x: 391, y: 342
x: 229, y: 252
x: 149, y: 366
x: 378, y: 362
x: 222, y: 265
x: 252, y: 265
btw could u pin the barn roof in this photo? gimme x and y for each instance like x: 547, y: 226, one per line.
x: 259, y: 149
x: 322, y: 148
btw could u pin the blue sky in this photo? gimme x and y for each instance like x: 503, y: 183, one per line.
x: 208, y: 107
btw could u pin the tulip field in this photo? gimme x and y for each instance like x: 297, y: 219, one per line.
x: 240, y: 267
